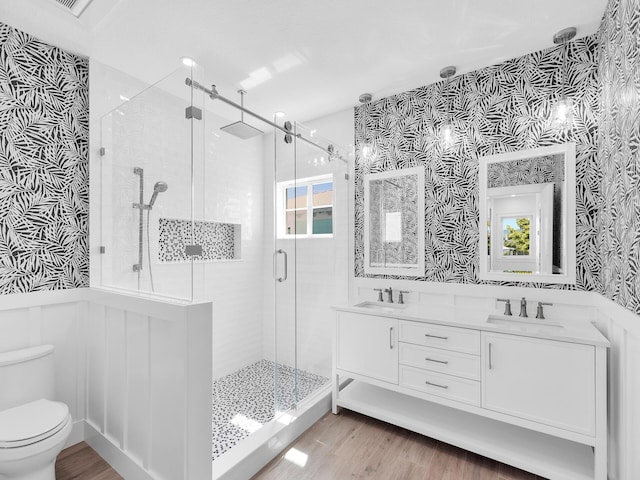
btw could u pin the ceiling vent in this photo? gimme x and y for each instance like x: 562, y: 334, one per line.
x: 76, y: 7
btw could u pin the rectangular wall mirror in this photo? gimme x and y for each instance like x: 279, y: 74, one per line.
x: 527, y: 215
x: 394, y: 222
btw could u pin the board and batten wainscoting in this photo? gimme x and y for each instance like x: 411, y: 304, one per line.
x: 52, y: 317
x: 134, y: 371
x: 622, y: 328
x: 618, y: 324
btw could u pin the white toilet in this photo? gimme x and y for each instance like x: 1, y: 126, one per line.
x: 33, y: 428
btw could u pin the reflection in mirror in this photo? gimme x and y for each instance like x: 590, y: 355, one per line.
x: 527, y: 202
x: 394, y: 222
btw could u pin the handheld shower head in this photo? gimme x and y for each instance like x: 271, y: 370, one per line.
x: 157, y: 188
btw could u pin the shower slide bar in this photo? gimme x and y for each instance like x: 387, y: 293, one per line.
x: 213, y: 95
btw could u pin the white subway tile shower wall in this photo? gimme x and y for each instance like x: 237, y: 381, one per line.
x: 149, y: 132
x: 233, y: 194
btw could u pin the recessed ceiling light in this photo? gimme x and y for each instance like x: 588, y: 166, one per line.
x: 188, y: 61
x: 280, y: 114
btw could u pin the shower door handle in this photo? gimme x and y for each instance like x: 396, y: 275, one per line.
x: 286, y: 268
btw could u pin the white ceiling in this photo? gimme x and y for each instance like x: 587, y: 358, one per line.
x: 306, y: 58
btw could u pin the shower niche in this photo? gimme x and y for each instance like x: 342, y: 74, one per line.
x: 219, y: 241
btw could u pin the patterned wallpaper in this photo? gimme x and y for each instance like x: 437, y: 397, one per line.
x: 497, y: 109
x: 525, y: 171
x: 218, y: 240
x: 44, y: 136
x: 619, y: 152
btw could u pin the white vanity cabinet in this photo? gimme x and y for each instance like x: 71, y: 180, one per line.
x: 440, y: 360
x: 534, y: 401
x: 367, y: 345
x: 545, y: 381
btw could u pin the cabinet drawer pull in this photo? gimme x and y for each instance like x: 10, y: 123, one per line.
x: 390, y: 338
x: 438, y: 361
x: 436, y: 336
x: 436, y: 385
x: 490, y: 363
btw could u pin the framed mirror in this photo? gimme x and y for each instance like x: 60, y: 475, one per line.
x: 394, y: 222
x: 527, y: 215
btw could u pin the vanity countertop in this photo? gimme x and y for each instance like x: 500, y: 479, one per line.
x: 477, y: 319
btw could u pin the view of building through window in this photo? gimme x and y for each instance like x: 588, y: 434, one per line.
x: 308, y: 207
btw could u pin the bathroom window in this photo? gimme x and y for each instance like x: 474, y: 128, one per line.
x: 305, y: 207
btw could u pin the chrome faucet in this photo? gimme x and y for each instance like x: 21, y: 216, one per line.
x: 507, y: 305
x: 379, y: 290
x: 400, y: 297
x: 390, y: 292
x: 540, y: 312
x: 523, y: 308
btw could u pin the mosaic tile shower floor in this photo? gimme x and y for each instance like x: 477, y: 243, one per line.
x: 244, y: 400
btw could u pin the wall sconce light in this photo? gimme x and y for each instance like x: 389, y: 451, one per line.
x: 562, y: 110
x: 366, y: 147
x: 447, y: 131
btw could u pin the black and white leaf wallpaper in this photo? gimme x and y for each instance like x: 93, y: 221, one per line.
x: 44, y: 188
x: 619, y: 153
x: 497, y: 109
x: 526, y: 171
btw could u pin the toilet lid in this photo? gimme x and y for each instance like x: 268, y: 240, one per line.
x: 31, y: 422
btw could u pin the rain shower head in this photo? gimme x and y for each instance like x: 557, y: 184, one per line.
x: 159, y: 187
x: 241, y: 129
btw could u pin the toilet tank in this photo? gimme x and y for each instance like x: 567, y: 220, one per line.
x: 26, y: 375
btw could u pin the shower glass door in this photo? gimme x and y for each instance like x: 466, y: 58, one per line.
x: 309, y: 271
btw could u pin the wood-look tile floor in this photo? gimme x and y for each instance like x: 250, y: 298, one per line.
x: 353, y: 446
x: 339, y: 447
x: 81, y: 462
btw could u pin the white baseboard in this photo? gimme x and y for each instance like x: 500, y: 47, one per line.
x: 119, y: 460
x: 77, y: 434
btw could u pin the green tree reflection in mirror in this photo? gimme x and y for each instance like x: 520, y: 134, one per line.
x: 516, y: 236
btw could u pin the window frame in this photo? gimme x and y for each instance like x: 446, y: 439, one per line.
x: 282, y: 210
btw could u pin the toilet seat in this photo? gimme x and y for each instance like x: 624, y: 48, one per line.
x: 32, y: 422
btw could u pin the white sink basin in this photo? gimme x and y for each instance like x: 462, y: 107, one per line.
x: 382, y: 307
x: 525, y: 324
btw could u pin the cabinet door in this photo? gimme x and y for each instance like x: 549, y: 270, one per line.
x: 368, y: 345
x: 546, y: 381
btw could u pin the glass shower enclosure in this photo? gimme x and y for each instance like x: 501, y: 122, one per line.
x: 195, y: 207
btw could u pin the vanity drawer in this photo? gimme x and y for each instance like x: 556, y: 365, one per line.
x: 438, y: 360
x: 447, y: 386
x: 440, y: 336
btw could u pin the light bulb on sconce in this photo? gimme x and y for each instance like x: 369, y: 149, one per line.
x: 366, y: 147
x: 562, y: 110
x: 562, y: 114
x: 448, y: 135
x: 366, y: 150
